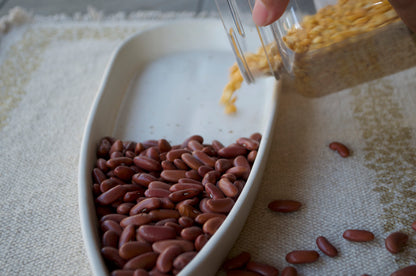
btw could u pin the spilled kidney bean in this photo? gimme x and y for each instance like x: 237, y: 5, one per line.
x: 358, y: 235
x: 326, y: 247
x: 396, y: 241
x: 342, y: 150
x: 289, y: 271
x: 407, y: 271
x: 284, y: 205
x: 302, y: 256
x: 158, y: 204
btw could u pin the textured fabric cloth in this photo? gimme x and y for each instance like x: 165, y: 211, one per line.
x: 50, y: 70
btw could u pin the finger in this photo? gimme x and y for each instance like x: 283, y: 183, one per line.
x: 266, y: 12
x: 406, y: 9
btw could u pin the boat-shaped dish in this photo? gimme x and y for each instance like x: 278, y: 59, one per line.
x: 166, y: 82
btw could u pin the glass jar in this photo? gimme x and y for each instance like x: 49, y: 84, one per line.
x: 319, y: 49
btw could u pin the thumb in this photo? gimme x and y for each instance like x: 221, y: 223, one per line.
x: 266, y: 12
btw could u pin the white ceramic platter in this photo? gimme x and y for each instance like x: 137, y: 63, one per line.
x: 166, y: 83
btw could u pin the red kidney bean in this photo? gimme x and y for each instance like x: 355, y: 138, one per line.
x: 211, y: 225
x: 184, y: 194
x: 160, y: 246
x: 220, y: 205
x: 232, y: 151
x: 180, y: 164
x: 163, y: 145
x: 284, y: 205
x: 133, y: 196
x: 147, y: 163
x: 239, y: 172
x: 175, y: 226
x: 241, y: 161
x: 124, y: 208
x: 407, y: 271
x: 108, y: 184
x: 256, y: 136
x: 193, y: 174
x: 139, y: 148
x: 137, y: 220
x: 111, y: 225
x: 227, y: 187
x: 358, y: 235
x: 146, y: 261
x: 173, y: 175
x: 153, y: 153
x: 222, y: 165
x: 143, y: 179
x: 98, y: 175
x: 204, y: 170
x: 157, y: 192
x: 196, y: 137
x: 251, y: 157
x: 191, y: 161
x: 153, y: 233
x: 342, y: 150
x: 302, y: 256
x: 213, y: 191
x: 248, y: 143
x: 150, y: 143
x: 188, y: 211
x: 110, y: 238
x: 203, y: 217
x: 102, y: 164
x: 210, y: 177
x: 326, y: 247
x: 127, y: 235
x: 159, y: 185
x: 191, y: 233
x: 230, y: 176
x: 115, y: 162
x: 114, y: 217
x: 262, y: 269
x: 184, y: 186
x: 200, y: 241
x: 165, y: 260
x: 217, y: 145
x: 195, y: 145
x: 160, y: 214
x: 168, y: 165
x: 183, y: 259
x: 103, y: 148
x: 289, y: 271
x: 191, y: 202
x: 238, y: 261
x: 396, y: 241
x: 117, y: 146
x: 111, y: 255
x: 166, y: 203
x: 414, y: 225
x: 146, y: 205
x: 186, y: 221
x: 175, y: 154
x: 204, y: 158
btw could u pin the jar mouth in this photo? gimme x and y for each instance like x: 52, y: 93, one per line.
x: 246, y: 38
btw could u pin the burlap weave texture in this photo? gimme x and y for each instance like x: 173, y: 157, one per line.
x: 50, y: 71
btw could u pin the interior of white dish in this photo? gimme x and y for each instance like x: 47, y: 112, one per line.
x: 166, y: 83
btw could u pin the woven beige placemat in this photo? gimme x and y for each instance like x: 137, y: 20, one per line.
x: 50, y: 70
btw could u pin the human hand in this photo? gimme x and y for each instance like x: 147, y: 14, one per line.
x: 266, y: 12
x: 406, y: 9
